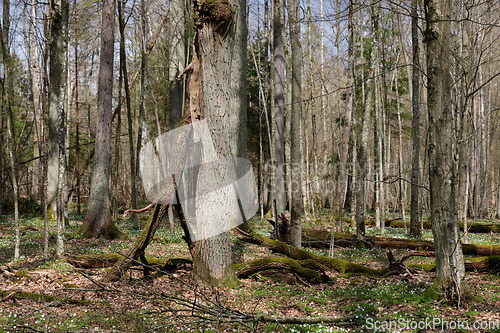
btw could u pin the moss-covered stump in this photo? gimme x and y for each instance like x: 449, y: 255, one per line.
x: 11, y: 295
x: 290, y: 271
x: 341, y: 266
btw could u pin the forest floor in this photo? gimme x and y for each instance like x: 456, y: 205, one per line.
x: 368, y: 304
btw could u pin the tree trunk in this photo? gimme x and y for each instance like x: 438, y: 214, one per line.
x: 296, y: 115
x: 219, y: 97
x: 123, y: 69
x: 279, y: 107
x: 7, y: 93
x: 450, y: 270
x: 177, y: 61
x: 35, y: 73
x: 98, y: 219
x: 415, y: 107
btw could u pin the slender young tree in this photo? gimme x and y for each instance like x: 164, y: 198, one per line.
x: 123, y: 70
x: 279, y: 110
x: 296, y: 115
x: 450, y: 271
x: 415, y: 107
x: 57, y: 101
x: 7, y: 93
x: 35, y: 73
x: 98, y: 218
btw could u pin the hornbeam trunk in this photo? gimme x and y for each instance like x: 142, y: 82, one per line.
x: 450, y: 268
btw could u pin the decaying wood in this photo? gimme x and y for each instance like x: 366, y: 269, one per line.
x: 290, y: 270
x: 475, y: 227
x: 320, y: 238
x: 139, y: 246
x: 299, y: 254
x: 109, y: 259
x: 489, y: 264
x: 12, y: 295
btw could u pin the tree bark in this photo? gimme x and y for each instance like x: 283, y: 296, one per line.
x: 450, y: 271
x: 123, y: 69
x: 177, y: 61
x: 296, y: 115
x: 279, y: 107
x: 7, y: 93
x: 219, y: 96
x: 98, y: 219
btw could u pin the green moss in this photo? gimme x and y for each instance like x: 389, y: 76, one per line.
x: 22, y: 273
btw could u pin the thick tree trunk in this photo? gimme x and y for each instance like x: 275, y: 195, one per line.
x: 450, y: 272
x: 219, y: 96
x: 98, y: 219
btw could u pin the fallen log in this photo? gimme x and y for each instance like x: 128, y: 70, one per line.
x: 284, y: 269
x: 341, y: 266
x: 109, y: 259
x: 474, y: 227
x: 490, y: 264
x: 12, y: 295
x: 320, y: 238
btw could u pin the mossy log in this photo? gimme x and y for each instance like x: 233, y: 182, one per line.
x: 320, y: 238
x: 10, y: 295
x: 299, y: 254
x: 291, y: 270
x: 109, y: 259
x: 474, y: 227
x: 489, y: 264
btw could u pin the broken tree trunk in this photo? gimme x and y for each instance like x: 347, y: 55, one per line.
x: 285, y: 269
x: 298, y: 254
x: 320, y: 238
x: 140, y: 245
